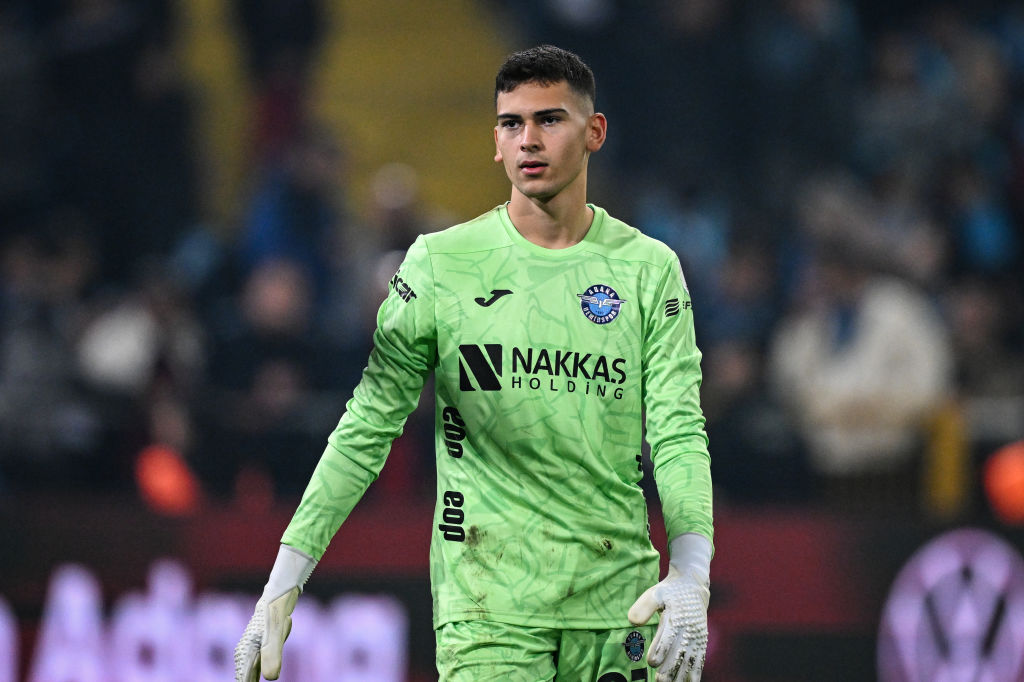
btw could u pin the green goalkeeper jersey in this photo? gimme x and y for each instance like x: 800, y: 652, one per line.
x: 545, y: 364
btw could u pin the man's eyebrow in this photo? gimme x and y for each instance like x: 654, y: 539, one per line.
x: 548, y: 112
x: 536, y: 114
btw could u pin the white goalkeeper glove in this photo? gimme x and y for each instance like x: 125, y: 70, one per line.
x: 681, y: 641
x: 262, y: 643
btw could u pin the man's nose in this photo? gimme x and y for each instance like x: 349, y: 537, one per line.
x: 531, y: 137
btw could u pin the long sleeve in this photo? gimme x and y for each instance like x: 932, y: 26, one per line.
x: 671, y: 395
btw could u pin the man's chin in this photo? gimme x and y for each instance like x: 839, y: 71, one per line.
x: 538, y: 194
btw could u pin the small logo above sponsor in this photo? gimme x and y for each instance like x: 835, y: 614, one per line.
x: 495, y: 295
x: 600, y: 303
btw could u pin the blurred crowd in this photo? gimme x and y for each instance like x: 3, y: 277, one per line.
x: 843, y: 182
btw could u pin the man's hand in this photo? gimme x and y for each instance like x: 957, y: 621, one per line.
x: 261, y: 646
x: 262, y: 643
x: 681, y: 641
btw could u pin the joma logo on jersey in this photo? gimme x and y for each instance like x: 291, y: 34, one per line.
x: 480, y: 368
x: 402, y: 288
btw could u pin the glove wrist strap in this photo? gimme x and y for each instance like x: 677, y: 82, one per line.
x: 292, y: 568
x: 691, y: 553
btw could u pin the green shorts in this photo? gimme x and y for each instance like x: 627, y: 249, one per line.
x: 470, y: 651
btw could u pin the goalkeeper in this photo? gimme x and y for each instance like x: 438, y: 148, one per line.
x: 551, y: 329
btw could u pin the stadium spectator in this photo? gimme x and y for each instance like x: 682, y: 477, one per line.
x: 273, y: 383
x: 142, y: 355
x: 984, y: 239
x: 280, y: 38
x: 885, y: 221
x: 298, y: 210
x: 759, y: 455
x: 801, y: 65
x: 118, y: 127
x: 741, y: 298
x: 860, y: 368
x: 913, y: 110
x: 146, y: 337
x: 53, y: 429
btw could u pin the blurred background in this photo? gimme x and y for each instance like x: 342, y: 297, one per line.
x: 202, y: 202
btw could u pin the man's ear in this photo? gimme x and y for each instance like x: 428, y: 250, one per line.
x: 597, y: 131
x: 497, y: 150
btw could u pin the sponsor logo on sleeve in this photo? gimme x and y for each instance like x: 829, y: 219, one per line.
x: 402, y: 287
x: 674, y: 305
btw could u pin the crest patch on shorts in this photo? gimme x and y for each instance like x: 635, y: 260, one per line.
x: 634, y: 646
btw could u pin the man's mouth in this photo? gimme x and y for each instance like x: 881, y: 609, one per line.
x: 532, y: 167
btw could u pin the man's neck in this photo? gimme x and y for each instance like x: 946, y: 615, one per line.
x: 555, y: 224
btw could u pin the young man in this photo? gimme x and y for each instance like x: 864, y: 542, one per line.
x: 550, y: 327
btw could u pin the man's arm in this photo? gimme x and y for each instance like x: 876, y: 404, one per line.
x: 675, y: 422
x: 405, y: 351
x: 682, y: 471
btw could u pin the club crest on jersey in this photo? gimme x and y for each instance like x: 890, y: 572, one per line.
x: 600, y: 303
x: 634, y: 646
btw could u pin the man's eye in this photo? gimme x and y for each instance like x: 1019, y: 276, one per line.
x: 548, y: 120
x: 510, y: 124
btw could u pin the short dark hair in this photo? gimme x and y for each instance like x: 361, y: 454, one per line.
x: 545, y: 65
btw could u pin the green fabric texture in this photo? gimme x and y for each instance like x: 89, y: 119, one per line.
x: 471, y: 651
x: 545, y: 362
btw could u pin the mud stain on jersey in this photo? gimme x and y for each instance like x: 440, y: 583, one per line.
x: 481, y: 555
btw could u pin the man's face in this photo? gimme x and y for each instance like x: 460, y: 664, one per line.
x: 545, y: 134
